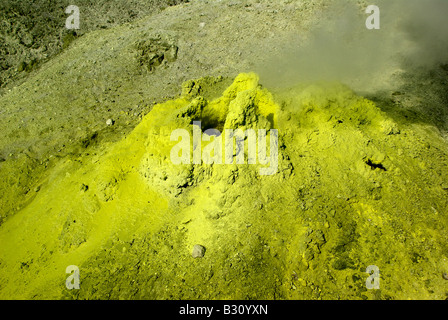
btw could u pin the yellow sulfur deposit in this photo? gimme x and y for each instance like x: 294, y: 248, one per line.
x: 353, y: 188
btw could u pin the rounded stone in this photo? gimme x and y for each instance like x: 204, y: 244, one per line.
x: 198, y: 251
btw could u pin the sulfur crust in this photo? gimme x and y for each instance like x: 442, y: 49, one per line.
x: 307, y: 232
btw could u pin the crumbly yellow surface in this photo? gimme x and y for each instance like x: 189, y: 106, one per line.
x: 354, y: 188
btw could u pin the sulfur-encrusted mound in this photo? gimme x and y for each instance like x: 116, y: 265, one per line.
x: 244, y: 105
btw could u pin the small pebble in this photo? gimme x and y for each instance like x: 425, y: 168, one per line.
x: 445, y: 276
x: 198, y: 251
x: 110, y: 122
